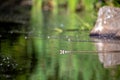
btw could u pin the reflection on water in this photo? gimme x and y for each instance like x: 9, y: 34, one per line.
x: 55, y: 49
x: 15, y: 60
x: 108, y: 51
x: 66, y: 54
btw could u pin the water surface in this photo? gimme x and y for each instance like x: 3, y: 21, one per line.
x: 54, y: 48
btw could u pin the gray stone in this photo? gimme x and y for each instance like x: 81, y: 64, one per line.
x: 108, y: 51
x: 108, y: 22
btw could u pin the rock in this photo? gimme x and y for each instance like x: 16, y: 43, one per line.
x: 108, y: 51
x: 108, y: 23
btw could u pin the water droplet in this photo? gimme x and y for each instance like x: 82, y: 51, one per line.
x: 8, y: 65
x: 11, y: 32
x: 62, y: 25
x: 69, y: 39
x: 48, y: 37
x: 26, y: 37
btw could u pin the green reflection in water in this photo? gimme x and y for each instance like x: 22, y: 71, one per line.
x: 14, y: 58
x: 55, y: 32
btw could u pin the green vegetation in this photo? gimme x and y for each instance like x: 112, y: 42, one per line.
x: 62, y: 30
x: 87, y: 7
x: 56, y: 25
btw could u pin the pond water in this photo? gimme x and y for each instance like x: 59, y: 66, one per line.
x: 54, y: 48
